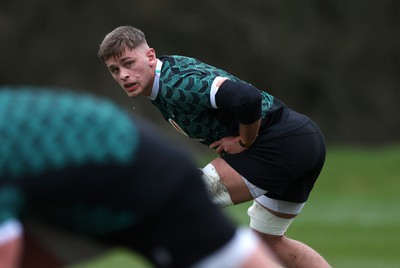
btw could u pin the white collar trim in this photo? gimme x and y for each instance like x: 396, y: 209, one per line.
x: 156, y: 83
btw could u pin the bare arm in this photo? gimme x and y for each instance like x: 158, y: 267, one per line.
x: 248, y: 133
x: 10, y: 253
x: 11, y: 242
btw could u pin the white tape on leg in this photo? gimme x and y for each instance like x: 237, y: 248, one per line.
x: 265, y: 222
x: 217, y: 190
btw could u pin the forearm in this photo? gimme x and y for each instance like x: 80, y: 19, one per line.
x: 10, y: 253
x: 248, y: 133
x: 10, y: 244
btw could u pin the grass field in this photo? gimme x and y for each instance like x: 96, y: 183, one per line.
x: 352, y: 217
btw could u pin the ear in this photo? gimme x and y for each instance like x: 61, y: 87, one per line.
x: 151, y: 56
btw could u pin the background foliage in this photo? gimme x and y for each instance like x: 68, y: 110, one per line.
x: 336, y: 61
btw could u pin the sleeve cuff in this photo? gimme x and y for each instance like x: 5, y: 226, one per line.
x: 10, y: 230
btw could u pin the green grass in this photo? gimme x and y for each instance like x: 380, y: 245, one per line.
x: 352, y: 217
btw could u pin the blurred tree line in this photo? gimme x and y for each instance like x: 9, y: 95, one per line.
x: 336, y: 61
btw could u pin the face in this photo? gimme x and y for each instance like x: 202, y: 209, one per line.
x: 134, y: 70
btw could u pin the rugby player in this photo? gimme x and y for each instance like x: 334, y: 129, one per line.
x: 80, y: 165
x: 267, y: 151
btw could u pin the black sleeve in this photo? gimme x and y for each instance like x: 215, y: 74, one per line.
x: 243, y: 99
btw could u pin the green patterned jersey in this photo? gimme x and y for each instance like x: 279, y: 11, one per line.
x: 184, y: 94
x: 64, y: 129
x: 44, y: 134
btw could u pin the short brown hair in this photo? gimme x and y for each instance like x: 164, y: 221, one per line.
x: 115, y: 42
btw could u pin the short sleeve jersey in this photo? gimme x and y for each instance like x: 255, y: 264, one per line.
x: 186, y: 98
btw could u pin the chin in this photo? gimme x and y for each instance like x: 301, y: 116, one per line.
x: 132, y: 94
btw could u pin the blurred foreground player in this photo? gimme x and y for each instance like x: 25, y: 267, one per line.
x: 83, y: 165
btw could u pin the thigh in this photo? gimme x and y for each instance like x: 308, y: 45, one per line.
x: 233, y: 181
x: 286, y: 165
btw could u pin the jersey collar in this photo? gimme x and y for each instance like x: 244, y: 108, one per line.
x: 156, y: 83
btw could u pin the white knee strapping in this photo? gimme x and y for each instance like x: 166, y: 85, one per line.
x: 217, y: 190
x: 265, y: 222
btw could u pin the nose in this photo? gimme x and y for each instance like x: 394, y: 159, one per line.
x: 123, y: 74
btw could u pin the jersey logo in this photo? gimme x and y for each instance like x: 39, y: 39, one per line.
x: 178, y: 128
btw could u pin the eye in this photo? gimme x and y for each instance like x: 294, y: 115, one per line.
x: 114, y: 70
x: 129, y: 63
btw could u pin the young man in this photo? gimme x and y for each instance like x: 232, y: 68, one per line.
x: 85, y: 166
x: 268, y: 152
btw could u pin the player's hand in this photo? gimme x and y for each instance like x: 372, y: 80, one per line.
x: 227, y: 145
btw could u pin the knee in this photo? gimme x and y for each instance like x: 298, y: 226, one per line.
x: 268, y: 224
x: 273, y: 241
x: 216, y: 188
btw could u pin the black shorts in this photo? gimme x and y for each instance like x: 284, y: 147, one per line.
x: 286, y: 158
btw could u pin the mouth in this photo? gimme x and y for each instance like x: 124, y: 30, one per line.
x: 130, y: 86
